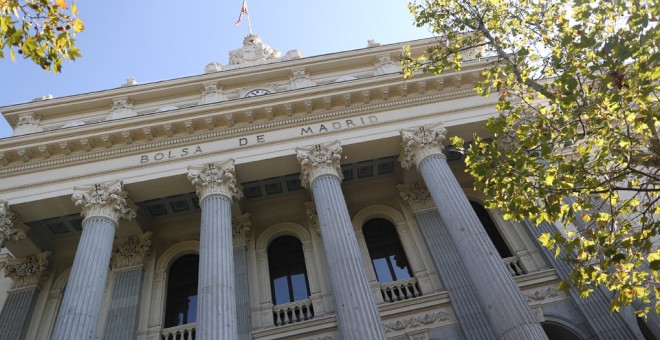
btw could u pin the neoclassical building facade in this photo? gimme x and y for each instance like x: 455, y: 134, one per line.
x: 276, y: 197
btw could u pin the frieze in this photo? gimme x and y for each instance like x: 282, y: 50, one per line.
x: 542, y: 294
x: 416, y: 321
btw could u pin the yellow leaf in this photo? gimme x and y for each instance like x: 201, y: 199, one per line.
x: 78, y: 25
x: 11, y: 54
x: 61, y: 3
x: 74, y: 9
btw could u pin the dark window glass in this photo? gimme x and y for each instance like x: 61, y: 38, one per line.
x: 288, y: 274
x: 386, y: 252
x: 558, y: 332
x: 491, y: 229
x: 181, y: 306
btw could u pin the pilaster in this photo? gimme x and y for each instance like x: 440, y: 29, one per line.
x: 355, y: 307
x: 102, y: 205
x: 240, y: 232
x: 495, y: 288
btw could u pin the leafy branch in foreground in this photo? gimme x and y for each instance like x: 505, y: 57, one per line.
x: 577, y: 137
x: 40, y: 30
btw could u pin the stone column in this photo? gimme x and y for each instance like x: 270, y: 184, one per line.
x: 216, y: 300
x: 504, y: 304
x: 606, y: 325
x: 127, y: 264
x: 469, y: 312
x: 26, y: 274
x: 240, y: 231
x: 10, y: 227
x: 357, y: 314
x: 102, y: 205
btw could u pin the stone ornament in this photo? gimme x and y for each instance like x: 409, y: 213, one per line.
x: 313, y: 217
x: 104, y: 200
x: 253, y: 50
x: 10, y: 227
x: 131, y: 251
x: 416, y: 321
x: 121, y: 108
x: 417, y: 196
x: 240, y: 228
x: 215, y: 179
x: 319, y: 160
x: 27, y: 271
x: 27, y: 123
x: 420, y: 143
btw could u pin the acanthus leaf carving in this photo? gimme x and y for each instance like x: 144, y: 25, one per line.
x: 240, y: 229
x: 27, y: 271
x: 313, y: 217
x: 10, y: 227
x: 319, y: 160
x: 215, y: 178
x: 420, y: 143
x: 416, y: 321
x: 104, y: 200
x: 417, y: 196
x: 131, y: 251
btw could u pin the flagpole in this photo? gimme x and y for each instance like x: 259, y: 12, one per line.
x: 248, y: 17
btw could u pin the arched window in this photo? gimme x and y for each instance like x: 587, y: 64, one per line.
x: 491, y: 229
x: 288, y: 274
x: 181, y: 305
x: 558, y: 332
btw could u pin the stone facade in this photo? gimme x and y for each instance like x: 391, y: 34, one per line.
x: 310, y: 153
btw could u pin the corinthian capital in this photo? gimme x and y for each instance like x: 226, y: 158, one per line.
x: 11, y: 229
x: 420, y: 143
x: 240, y: 229
x: 27, y: 271
x: 131, y: 251
x: 319, y: 160
x: 104, y: 200
x: 416, y: 196
x: 215, y: 179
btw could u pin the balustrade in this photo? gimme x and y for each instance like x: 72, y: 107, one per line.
x: 400, y: 290
x: 293, y: 312
x: 183, y: 332
x: 514, y: 265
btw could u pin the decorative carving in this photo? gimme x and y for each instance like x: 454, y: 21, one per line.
x: 384, y: 65
x: 253, y: 50
x: 43, y: 149
x: 3, y: 159
x: 319, y: 160
x: 347, y: 99
x: 129, y: 82
x: 131, y: 251
x: 299, y: 79
x: 421, y: 85
x: 10, y: 227
x: 328, y: 103
x: 372, y: 43
x: 147, y: 133
x: 417, y: 196
x: 415, y: 321
x: 538, y: 313
x: 84, y: 142
x: 213, y: 67
x: 418, y: 335
x: 212, y: 93
x: 107, y: 142
x: 542, y: 294
x: 209, y: 123
x: 312, y: 216
x: 104, y: 200
x: 365, y: 96
x: 289, y: 108
x: 65, y: 147
x: 121, y: 108
x: 189, y: 126
x: 27, y: 271
x: 22, y: 153
x: 404, y: 89
x: 240, y: 228
x: 308, y: 106
x: 27, y: 123
x: 420, y: 143
x: 386, y: 93
x: 128, y: 139
x: 230, y: 119
x: 215, y: 179
x: 169, y: 131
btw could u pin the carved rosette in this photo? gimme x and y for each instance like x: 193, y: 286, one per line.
x: 420, y: 143
x: 104, y: 200
x: 10, y: 227
x: 319, y: 160
x: 313, y: 217
x: 240, y: 228
x: 131, y: 252
x: 215, y: 179
x: 27, y: 271
x: 417, y: 196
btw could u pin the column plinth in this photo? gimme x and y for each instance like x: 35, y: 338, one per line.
x: 505, y: 306
x: 216, y: 300
x: 102, y: 205
x: 357, y: 314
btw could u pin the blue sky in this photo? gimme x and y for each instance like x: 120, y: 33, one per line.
x: 157, y: 40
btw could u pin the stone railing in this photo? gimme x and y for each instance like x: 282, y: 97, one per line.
x: 293, y: 312
x: 400, y: 290
x: 514, y: 265
x: 183, y: 332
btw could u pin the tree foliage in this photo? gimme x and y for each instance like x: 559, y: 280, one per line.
x: 40, y: 30
x: 577, y: 138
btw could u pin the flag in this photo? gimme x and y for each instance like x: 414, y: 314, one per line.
x: 243, y: 11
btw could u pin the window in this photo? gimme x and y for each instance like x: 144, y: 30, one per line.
x: 386, y: 252
x: 181, y: 305
x: 491, y: 230
x: 288, y: 274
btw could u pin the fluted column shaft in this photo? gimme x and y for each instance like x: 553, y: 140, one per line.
x: 357, y: 314
x: 17, y: 312
x: 79, y: 313
x: 606, y: 325
x: 448, y: 262
x: 216, y: 300
x: 242, y: 293
x: 124, y: 305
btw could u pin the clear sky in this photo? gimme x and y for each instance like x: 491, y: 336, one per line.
x: 157, y: 40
